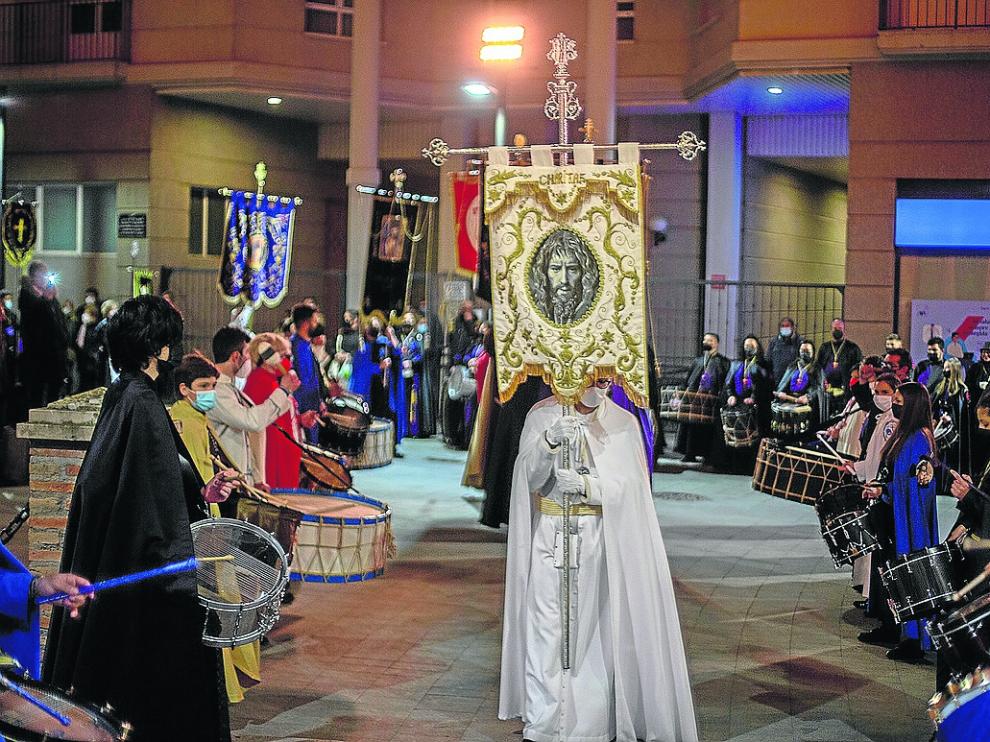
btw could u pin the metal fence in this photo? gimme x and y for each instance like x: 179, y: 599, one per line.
x: 681, y: 311
x: 904, y: 14
x: 54, y: 31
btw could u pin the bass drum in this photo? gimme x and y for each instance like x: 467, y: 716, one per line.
x: 345, y: 426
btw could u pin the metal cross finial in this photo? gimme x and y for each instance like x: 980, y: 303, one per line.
x: 563, y: 104
x: 437, y: 151
x: 588, y: 130
x: 260, y: 174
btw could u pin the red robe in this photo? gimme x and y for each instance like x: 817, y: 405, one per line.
x: 282, y: 458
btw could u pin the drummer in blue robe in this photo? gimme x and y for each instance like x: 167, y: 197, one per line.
x: 906, y: 516
x: 20, y: 634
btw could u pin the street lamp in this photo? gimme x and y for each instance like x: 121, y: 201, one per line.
x: 500, y: 44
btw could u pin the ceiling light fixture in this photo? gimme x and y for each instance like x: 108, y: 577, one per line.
x: 502, y: 34
x: 274, y: 101
x: 775, y: 90
x: 478, y: 89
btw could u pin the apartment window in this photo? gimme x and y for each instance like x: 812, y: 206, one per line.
x: 73, y: 218
x: 207, y: 221
x: 330, y: 17
x: 97, y: 15
x: 625, y: 21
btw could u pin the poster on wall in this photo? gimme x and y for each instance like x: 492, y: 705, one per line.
x: 937, y: 318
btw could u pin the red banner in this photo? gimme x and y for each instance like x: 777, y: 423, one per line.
x: 467, y: 220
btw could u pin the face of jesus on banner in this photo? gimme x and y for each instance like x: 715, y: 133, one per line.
x: 563, y: 278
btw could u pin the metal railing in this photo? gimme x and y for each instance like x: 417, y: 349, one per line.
x: 907, y: 14
x: 681, y: 310
x: 58, y: 31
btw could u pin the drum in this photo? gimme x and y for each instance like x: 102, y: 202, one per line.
x: 846, y: 526
x: 461, y: 383
x: 242, y: 596
x: 960, y: 712
x: 378, y: 446
x: 921, y: 583
x: 21, y: 721
x: 687, y: 407
x: 324, y: 470
x: 271, y: 517
x: 789, y: 420
x: 963, y: 636
x: 794, y: 473
x: 341, y: 537
x: 739, y: 426
x: 345, y: 425
x: 946, y: 433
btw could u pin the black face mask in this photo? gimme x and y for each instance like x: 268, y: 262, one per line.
x: 706, y: 347
x: 318, y: 331
x: 896, y: 410
x: 750, y: 352
x: 837, y: 334
x: 933, y: 357
x: 806, y: 357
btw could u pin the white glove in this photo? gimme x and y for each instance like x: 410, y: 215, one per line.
x: 569, y: 482
x: 563, y: 429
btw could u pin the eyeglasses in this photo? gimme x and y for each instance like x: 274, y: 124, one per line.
x: 603, y: 383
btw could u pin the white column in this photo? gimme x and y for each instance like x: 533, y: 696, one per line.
x: 362, y: 165
x: 598, y: 96
x: 723, y: 244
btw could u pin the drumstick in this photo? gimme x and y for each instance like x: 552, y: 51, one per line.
x: 976, y: 581
x: 253, y: 492
x: 18, y: 690
x: 823, y: 437
x: 187, y: 565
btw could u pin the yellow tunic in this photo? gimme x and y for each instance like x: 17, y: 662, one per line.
x: 241, y: 665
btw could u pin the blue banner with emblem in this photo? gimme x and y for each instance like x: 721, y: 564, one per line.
x: 257, y: 251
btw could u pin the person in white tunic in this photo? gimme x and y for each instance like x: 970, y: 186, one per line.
x: 628, y: 678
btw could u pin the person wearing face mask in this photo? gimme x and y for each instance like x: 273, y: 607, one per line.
x: 348, y: 343
x: 44, y: 362
x: 311, y: 393
x: 978, y: 381
x: 240, y: 423
x: 706, y: 375
x: 950, y: 399
x: 87, y: 348
x: 196, y: 381
x: 783, y: 350
x: 748, y: 385
x: 929, y: 372
x: 91, y: 299
x: 837, y: 358
x: 419, y: 416
x: 801, y: 383
x: 271, y: 361
x: 904, y: 515
x: 140, y: 649
x: 611, y: 690
x: 386, y: 385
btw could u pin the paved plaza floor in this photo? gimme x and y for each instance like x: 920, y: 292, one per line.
x: 769, y: 626
x: 768, y: 623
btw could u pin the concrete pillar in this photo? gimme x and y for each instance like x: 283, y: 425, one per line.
x: 362, y: 164
x: 723, y: 245
x: 598, y: 96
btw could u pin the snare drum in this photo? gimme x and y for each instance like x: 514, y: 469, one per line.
x: 794, y: 473
x: 921, y: 583
x: 960, y: 712
x: 341, y: 537
x: 946, y: 434
x: 687, y: 407
x: 378, y: 446
x: 789, y: 420
x: 963, y: 636
x: 20, y: 721
x: 845, y: 522
x: 345, y: 424
x: 739, y: 426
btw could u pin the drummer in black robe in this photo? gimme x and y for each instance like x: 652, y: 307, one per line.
x: 747, y: 386
x: 707, y: 374
x: 801, y: 383
x: 139, y: 648
x: 837, y: 358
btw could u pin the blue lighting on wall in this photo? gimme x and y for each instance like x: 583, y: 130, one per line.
x: 942, y: 224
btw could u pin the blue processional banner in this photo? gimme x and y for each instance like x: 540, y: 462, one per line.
x: 257, y: 251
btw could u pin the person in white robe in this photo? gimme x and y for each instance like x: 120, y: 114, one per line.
x: 628, y: 678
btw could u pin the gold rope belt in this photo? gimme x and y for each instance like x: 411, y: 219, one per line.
x: 552, y: 507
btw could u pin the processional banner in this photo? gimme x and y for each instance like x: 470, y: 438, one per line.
x: 467, y: 220
x: 257, y: 252
x: 568, y: 275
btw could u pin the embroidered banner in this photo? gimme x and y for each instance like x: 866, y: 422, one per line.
x: 568, y: 276
x: 467, y: 220
x: 254, y: 267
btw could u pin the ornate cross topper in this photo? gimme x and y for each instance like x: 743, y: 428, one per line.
x: 563, y: 104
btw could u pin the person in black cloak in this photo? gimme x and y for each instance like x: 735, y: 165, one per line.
x: 139, y: 648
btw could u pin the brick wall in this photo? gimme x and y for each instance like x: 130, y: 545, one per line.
x: 59, y: 436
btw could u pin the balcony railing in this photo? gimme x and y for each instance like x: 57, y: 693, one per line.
x: 904, y: 14
x: 53, y: 31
